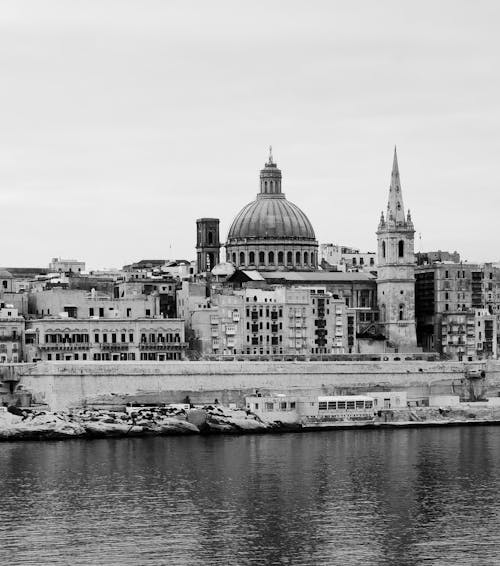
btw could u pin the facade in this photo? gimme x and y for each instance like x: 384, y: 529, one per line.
x: 458, y: 309
x: 343, y: 258
x: 207, y: 244
x: 11, y: 334
x: 270, y: 321
x: 100, y: 339
x: 59, y: 265
x: 271, y: 232
x: 396, y: 269
x: 82, y: 304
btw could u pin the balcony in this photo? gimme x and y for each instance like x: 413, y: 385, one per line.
x: 215, y: 332
x: 214, y: 320
x: 114, y: 347
x: 163, y: 346
x: 9, y: 338
x: 231, y: 329
x: 236, y: 316
x: 64, y: 346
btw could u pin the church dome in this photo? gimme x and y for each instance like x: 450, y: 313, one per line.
x: 272, y: 232
x: 271, y: 216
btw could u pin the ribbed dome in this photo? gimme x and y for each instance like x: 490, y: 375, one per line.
x: 271, y: 216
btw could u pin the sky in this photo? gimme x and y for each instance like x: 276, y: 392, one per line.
x: 122, y: 122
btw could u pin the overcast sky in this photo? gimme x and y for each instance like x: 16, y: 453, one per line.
x: 122, y: 122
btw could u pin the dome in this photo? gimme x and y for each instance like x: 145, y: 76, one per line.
x: 272, y: 233
x: 271, y: 217
x: 4, y: 274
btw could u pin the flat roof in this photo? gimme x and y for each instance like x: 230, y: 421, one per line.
x: 316, y: 276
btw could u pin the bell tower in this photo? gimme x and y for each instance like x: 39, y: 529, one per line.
x: 396, y: 269
x: 207, y: 244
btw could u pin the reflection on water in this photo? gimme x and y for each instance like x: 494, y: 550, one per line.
x: 406, y: 497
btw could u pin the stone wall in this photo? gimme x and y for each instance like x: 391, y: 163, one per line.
x: 63, y: 385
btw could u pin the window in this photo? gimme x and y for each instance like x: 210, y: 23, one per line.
x: 269, y: 406
x: 242, y: 258
x: 280, y: 258
x: 383, y: 249
x: 234, y: 258
x: 101, y: 311
x: 401, y: 312
x: 322, y: 405
x: 401, y: 248
x: 251, y: 258
x: 306, y: 258
x: 262, y: 258
x: 148, y: 312
x: 210, y: 238
x: 289, y: 258
x: 91, y: 311
x: 297, y: 258
x: 271, y: 258
x: 350, y: 405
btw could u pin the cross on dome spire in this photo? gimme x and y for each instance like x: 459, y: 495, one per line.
x: 270, y: 162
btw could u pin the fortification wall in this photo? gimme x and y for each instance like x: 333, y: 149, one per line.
x: 63, y: 385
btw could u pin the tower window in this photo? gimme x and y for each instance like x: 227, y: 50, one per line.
x: 297, y: 258
x: 401, y: 312
x: 234, y: 258
x: 210, y: 238
x: 289, y: 258
x: 251, y: 258
x: 401, y: 248
x: 306, y: 258
x: 280, y: 258
x: 265, y: 186
x: 271, y: 258
x: 383, y: 249
x: 242, y: 258
x: 262, y: 258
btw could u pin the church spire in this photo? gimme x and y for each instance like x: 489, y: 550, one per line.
x: 395, y: 207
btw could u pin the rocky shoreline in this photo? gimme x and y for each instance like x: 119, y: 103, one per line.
x: 34, y: 424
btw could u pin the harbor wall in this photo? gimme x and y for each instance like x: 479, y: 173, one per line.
x: 62, y: 385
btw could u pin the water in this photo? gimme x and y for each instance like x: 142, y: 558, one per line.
x: 404, y: 497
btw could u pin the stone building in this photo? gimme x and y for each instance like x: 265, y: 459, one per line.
x: 207, y: 244
x: 344, y: 258
x: 458, y: 309
x: 272, y: 321
x: 60, y: 338
x: 271, y: 232
x: 83, y: 304
x: 11, y: 334
x: 396, y: 269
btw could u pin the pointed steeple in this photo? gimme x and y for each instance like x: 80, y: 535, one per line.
x: 395, y: 207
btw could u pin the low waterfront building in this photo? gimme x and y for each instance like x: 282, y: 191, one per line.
x: 61, y: 338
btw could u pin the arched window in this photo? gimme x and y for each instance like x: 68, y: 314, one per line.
x: 297, y: 258
x: 242, y: 258
x: 289, y: 258
x: 265, y: 186
x: 262, y: 258
x: 401, y: 248
x: 354, y: 261
x: 234, y: 258
x: 306, y: 258
x: 271, y: 258
x: 382, y: 313
x: 372, y: 262
x: 401, y: 312
x: 361, y: 261
x: 271, y: 186
x: 210, y: 238
x: 383, y: 249
x: 280, y: 258
x: 251, y: 258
